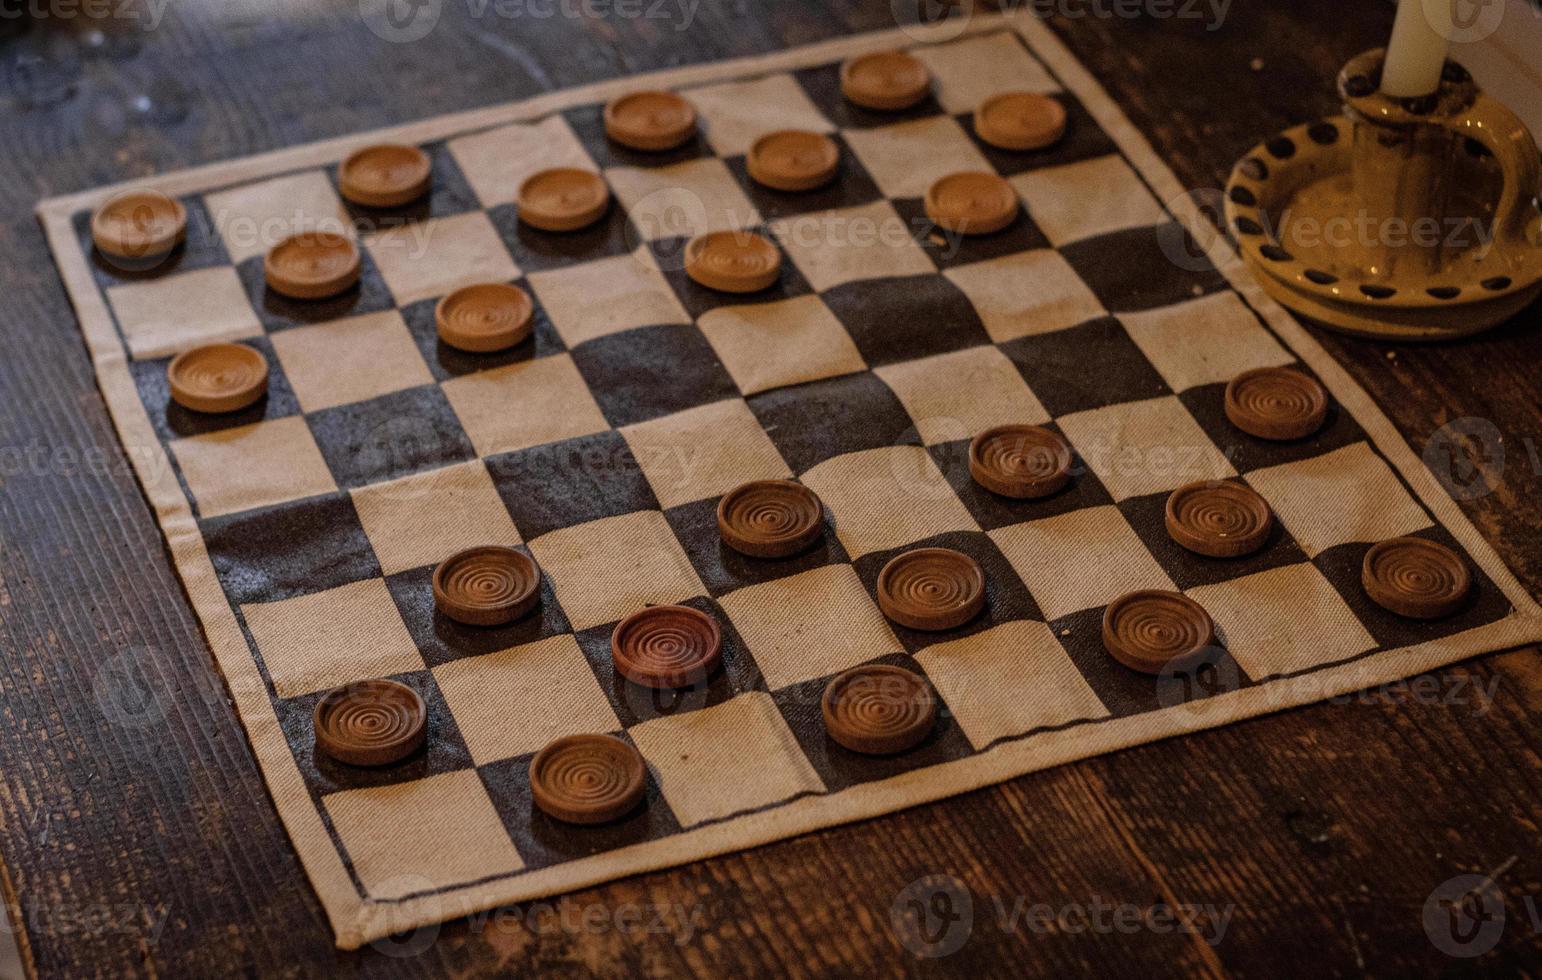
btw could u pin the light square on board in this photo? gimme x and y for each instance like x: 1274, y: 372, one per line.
x: 967, y: 72
x: 735, y: 756
x: 160, y: 317
x: 350, y: 360
x: 497, y: 161
x: 809, y: 625
x: 313, y: 642
x: 683, y: 199
x: 906, y: 158
x: 1283, y: 620
x: 887, y: 497
x: 1347, y: 495
x: 422, y: 836
x: 1086, y: 199
x: 768, y: 345
x: 426, y: 517
x: 524, y: 404
x: 1206, y: 341
x: 607, y: 296
x: 1079, y: 560
x: 1026, y: 293
x: 252, y: 466
x: 704, y: 452
x: 1145, y: 447
x: 607, y: 569
x: 437, y: 256
x: 956, y: 395
x: 735, y: 114
x: 869, y: 241
x: 1009, y: 680
x: 515, y: 701
x: 255, y: 217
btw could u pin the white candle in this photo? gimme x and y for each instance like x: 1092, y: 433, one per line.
x: 1417, y: 52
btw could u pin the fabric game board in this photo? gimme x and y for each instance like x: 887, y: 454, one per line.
x: 306, y: 527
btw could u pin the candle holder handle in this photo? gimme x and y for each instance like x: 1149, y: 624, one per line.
x: 1490, y: 123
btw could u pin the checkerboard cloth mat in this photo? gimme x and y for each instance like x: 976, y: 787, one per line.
x: 306, y: 527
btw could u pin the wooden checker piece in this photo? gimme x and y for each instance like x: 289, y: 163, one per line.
x: 887, y: 80
x: 1020, y: 461
x: 770, y: 518
x: 139, y: 225
x: 1416, y: 578
x: 1020, y: 121
x: 1276, y: 403
x: 588, y: 779
x: 650, y: 121
x: 972, y: 203
x: 667, y: 646
x: 386, y: 175
x: 312, y: 265
x: 485, y: 317
x: 216, y: 378
x: 1218, y: 518
x: 563, y: 199
x: 878, y: 709
x: 793, y: 160
x: 931, y: 589
x: 487, y: 586
x: 370, y: 723
x: 733, y: 261
x: 1155, y: 631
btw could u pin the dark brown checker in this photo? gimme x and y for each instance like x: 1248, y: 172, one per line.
x: 878, y: 709
x: 1417, y: 578
x: 370, y: 723
x: 1219, y: 519
x: 1155, y: 631
x: 588, y: 779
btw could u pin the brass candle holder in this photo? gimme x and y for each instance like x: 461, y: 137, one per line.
x: 1412, y: 219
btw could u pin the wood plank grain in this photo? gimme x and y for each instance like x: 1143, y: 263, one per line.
x: 128, y: 792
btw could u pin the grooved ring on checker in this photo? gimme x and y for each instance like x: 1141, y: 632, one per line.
x: 667, y: 646
x: 885, y: 80
x: 793, y: 160
x: 1416, y: 578
x: 733, y: 261
x: 588, y: 779
x: 312, y: 265
x: 1218, y: 518
x: 218, y: 377
x: 971, y: 203
x: 1021, y: 461
x: 931, y: 589
x: 486, y: 317
x: 879, y: 709
x: 650, y: 121
x: 487, y: 586
x: 1152, y: 631
x: 370, y: 723
x: 386, y: 175
x: 770, y: 518
x: 1020, y: 121
x: 139, y: 225
x: 563, y: 199
x: 1276, y: 403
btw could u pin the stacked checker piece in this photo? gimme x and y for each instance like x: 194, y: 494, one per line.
x: 873, y: 709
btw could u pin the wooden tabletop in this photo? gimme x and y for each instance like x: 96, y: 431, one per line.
x: 136, y: 833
